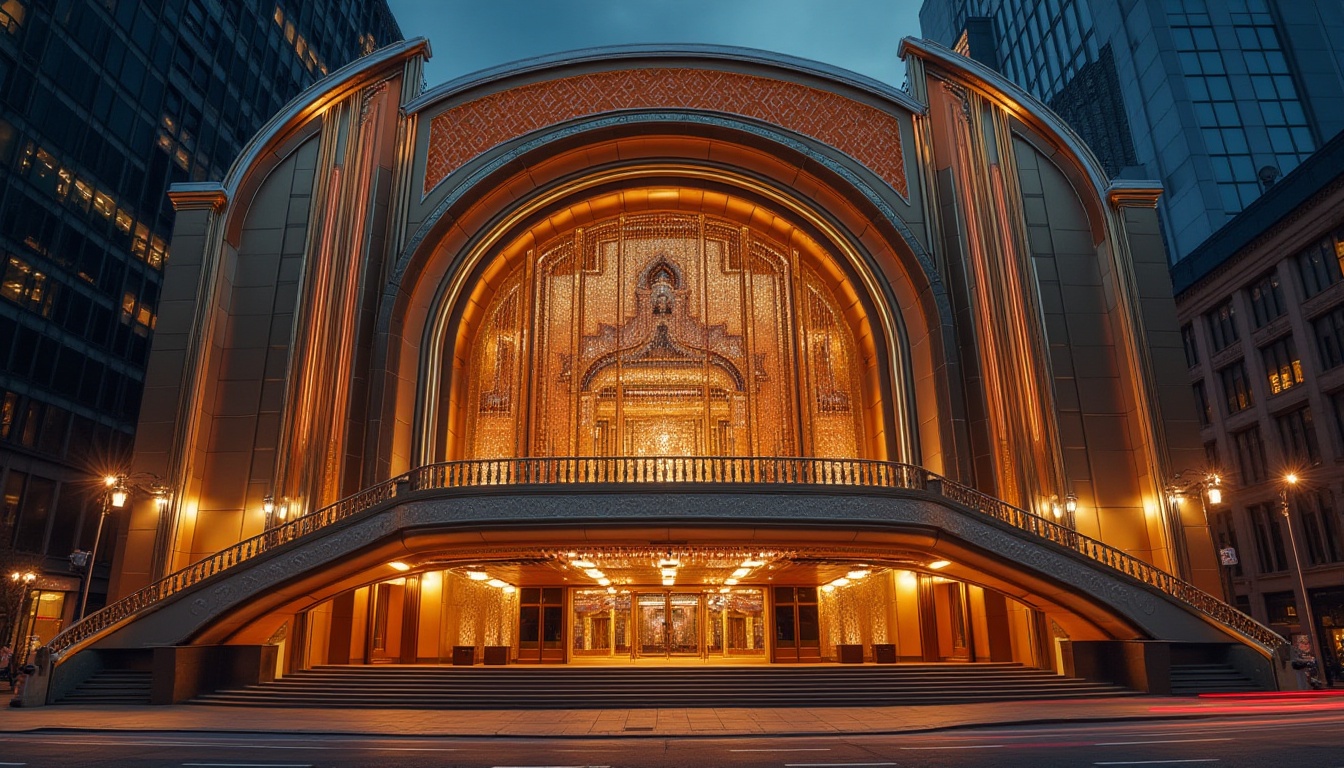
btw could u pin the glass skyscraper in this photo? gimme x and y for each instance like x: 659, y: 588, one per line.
x: 1215, y: 98
x: 103, y: 105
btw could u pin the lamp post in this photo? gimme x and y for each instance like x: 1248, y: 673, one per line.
x: 1306, y: 618
x: 1208, y: 488
x: 114, y: 495
x: 25, y: 580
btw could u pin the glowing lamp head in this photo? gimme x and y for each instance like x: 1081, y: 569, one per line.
x: 1290, y: 478
x: 119, y: 497
x: 1215, y: 496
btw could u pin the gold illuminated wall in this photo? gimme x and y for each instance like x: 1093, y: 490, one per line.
x: 664, y: 334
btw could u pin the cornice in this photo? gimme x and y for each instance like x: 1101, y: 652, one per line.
x: 1134, y: 194
x: 198, y: 196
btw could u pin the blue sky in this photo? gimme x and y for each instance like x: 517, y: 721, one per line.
x: 470, y: 35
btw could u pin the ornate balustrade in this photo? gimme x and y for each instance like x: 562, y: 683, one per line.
x: 661, y: 471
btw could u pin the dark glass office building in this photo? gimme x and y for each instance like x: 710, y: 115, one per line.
x: 103, y: 105
x: 1217, y: 99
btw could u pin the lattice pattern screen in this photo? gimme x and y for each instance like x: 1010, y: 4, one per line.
x: 664, y: 334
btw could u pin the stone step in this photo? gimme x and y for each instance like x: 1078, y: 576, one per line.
x: 538, y: 687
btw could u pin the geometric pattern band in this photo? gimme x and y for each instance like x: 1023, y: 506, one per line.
x: 868, y: 135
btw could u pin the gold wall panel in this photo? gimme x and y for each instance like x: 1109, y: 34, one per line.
x: 663, y: 334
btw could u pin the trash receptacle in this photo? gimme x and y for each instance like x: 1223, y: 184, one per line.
x: 849, y: 654
x: 884, y: 653
x: 496, y: 655
x: 464, y: 655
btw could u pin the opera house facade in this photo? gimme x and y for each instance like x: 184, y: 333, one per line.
x: 665, y: 355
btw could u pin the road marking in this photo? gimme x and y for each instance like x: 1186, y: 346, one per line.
x: 1163, y: 762
x: 249, y: 765
x: 969, y: 746
x: 1169, y: 741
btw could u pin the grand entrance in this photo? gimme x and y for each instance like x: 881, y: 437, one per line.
x: 650, y: 623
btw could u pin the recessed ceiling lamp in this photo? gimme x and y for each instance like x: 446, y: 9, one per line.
x: 477, y: 575
x: 604, y: 582
x: 584, y: 563
x: 936, y: 564
x: 399, y: 566
x: 730, y: 582
x: 752, y: 563
x: 667, y: 581
x: 857, y: 574
x: 497, y: 583
x: 594, y: 573
x: 740, y: 572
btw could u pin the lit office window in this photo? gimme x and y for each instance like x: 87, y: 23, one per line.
x: 1283, y: 367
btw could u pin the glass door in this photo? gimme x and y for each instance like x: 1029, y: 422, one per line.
x: 797, y: 624
x: 683, y: 624
x: 667, y: 624
x: 541, y: 624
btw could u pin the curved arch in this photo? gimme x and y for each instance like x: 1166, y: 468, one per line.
x: 448, y: 300
x: 458, y: 233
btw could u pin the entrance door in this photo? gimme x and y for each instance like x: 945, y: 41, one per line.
x: 797, y: 624
x: 541, y: 624
x: 667, y: 624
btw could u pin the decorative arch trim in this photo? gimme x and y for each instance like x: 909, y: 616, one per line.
x: 866, y: 134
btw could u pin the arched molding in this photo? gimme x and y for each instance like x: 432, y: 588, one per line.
x: 453, y: 234
x: 301, y: 119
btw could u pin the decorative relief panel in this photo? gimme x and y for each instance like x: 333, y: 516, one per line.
x: 868, y: 135
x: 663, y: 334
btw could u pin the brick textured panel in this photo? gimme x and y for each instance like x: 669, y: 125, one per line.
x: 868, y: 135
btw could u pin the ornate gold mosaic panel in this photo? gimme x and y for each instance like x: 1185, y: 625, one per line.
x: 663, y: 334
x: 869, y: 135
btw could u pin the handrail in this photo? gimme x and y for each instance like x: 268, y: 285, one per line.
x: 662, y: 470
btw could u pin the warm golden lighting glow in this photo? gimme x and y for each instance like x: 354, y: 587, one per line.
x: 399, y: 566
x: 664, y: 334
x: 477, y: 575
x: 1215, y: 496
x: 937, y: 564
x: 741, y: 572
x: 119, y: 497
x: 1290, y: 478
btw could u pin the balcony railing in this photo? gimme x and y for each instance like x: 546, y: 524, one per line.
x: 663, y: 471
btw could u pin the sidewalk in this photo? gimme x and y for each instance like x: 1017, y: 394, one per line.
x: 704, y: 723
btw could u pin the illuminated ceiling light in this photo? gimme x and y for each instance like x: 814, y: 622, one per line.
x: 594, y: 573
x: 604, y: 582
x: 477, y: 575
x: 908, y: 579
x: 724, y: 590
x: 583, y: 563
x: 509, y: 589
x: 611, y: 590
x: 669, y: 573
x: 667, y: 582
x: 857, y: 574
x: 751, y: 563
x: 1215, y: 495
x: 399, y: 566
x: 497, y: 583
x: 669, y: 562
x: 740, y: 572
x: 841, y: 582
x: 730, y: 582
x: 827, y: 587
x: 936, y: 564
